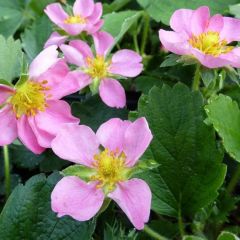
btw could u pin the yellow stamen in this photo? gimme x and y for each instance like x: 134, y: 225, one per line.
x: 110, y: 168
x: 29, y: 98
x: 75, y: 20
x: 97, y: 67
x: 210, y: 43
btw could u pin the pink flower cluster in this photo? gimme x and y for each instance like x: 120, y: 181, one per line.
x: 33, y: 111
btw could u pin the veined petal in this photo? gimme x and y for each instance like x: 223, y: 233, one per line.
x: 82, y: 47
x: 56, y: 13
x: 8, y: 126
x: 76, y: 198
x: 72, y: 55
x: 134, y: 198
x: 55, y: 39
x: 112, y: 93
x: 199, y: 20
x: 96, y: 14
x: 5, y: 92
x: 216, y: 23
x: 174, y: 42
x: 136, y: 140
x: 55, y: 116
x: 76, y: 143
x: 44, y: 60
x: 83, y: 8
x: 27, y: 136
x: 103, y: 41
x: 111, y: 134
x: 231, y: 29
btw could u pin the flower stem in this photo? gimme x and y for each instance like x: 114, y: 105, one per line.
x: 196, y: 79
x: 234, y: 180
x: 153, y: 234
x: 145, y: 33
x: 7, y: 171
x: 180, y: 223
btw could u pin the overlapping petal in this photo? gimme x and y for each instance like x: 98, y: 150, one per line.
x: 76, y: 143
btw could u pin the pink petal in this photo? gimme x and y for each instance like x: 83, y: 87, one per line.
x: 137, y: 139
x: 231, y: 29
x: 215, y: 23
x: 27, y: 136
x: 134, y: 198
x: 76, y: 143
x: 55, y: 39
x: 210, y: 61
x: 55, y: 116
x: 180, y: 21
x: 43, y: 138
x: 5, y: 92
x: 103, y: 41
x: 72, y: 55
x: 56, y: 13
x: 44, y: 60
x: 80, y: 78
x: 232, y: 57
x: 96, y: 14
x: 84, y: 8
x: 58, y: 81
x: 8, y: 126
x: 174, y: 42
x: 76, y: 198
x: 126, y: 63
x: 91, y: 29
x: 111, y: 134
x: 199, y: 20
x: 82, y: 47
x: 73, y: 29
x: 112, y: 93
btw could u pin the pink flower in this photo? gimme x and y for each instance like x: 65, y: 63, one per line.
x: 99, y: 70
x: 206, y: 38
x: 123, y: 143
x: 32, y: 110
x: 86, y: 17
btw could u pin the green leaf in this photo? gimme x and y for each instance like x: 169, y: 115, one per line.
x: 162, y: 10
x: 208, y: 75
x: 227, y: 236
x: 235, y: 10
x: 190, y: 171
x: 28, y: 215
x: 193, y: 238
x: 93, y: 112
x: 171, y: 60
x: 80, y: 171
x: 224, y: 114
x: 34, y: 38
x: 117, y: 24
x: 145, y: 83
x: 114, y: 6
x: 38, y: 6
x: 10, y: 58
x: 11, y: 16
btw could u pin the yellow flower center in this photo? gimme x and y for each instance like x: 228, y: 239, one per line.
x: 97, y: 67
x: 75, y: 20
x: 111, y: 169
x: 210, y: 43
x: 29, y: 98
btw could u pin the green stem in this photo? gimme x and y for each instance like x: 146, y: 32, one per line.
x: 7, y: 171
x: 153, y: 234
x: 180, y: 223
x: 145, y: 33
x: 196, y: 79
x: 234, y: 180
x: 135, y: 41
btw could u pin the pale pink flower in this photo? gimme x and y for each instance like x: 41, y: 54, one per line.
x: 123, y: 142
x: 32, y: 110
x: 205, y: 38
x: 86, y: 17
x: 99, y: 70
